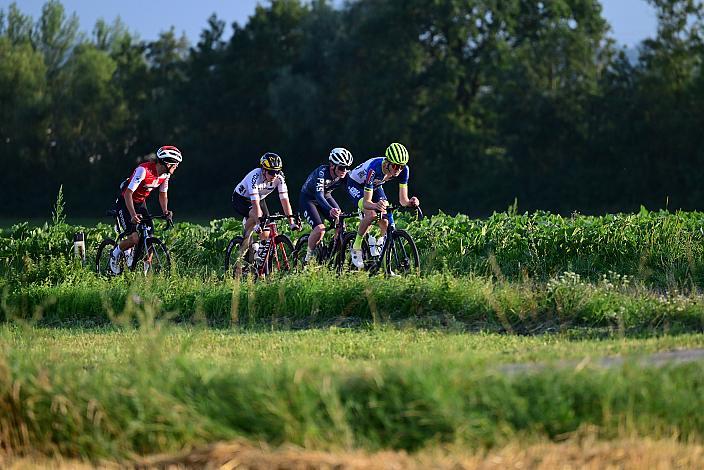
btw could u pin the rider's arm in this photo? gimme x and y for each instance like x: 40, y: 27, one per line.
x: 164, y: 202
x: 283, y: 196
x: 286, y: 205
x: 163, y: 196
x: 403, y: 190
x: 320, y: 191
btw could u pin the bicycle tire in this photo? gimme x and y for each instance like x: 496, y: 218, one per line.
x: 231, y: 253
x: 400, y: 259
x: 102, y: 267
x: 345, y: 263
x: 299, y: 252
x: 155, y: 248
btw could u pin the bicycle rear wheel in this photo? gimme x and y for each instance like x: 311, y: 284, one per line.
x: 156, y: 260
x: 344, y: 261
x: 299, y: 253
x: 102, y: 258
x: 402, y: 255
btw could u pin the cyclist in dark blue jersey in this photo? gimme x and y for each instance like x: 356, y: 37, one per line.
x: 365, y: 187
x: 316, y: 194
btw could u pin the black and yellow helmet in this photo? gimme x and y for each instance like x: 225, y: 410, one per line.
x: 396, y: 153
x: 271, y: 161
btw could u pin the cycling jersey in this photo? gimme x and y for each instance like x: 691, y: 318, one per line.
x: 319, y: 185
x: 255, y: 186
x: 145, y: 178
x: 371, y: 175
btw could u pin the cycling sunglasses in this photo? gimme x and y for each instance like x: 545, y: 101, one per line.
x: 343, y: 167
x: 272, y: 172
x: 396, y: 166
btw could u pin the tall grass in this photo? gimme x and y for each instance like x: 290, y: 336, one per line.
x: 164, y: 401
x: 321, y: 299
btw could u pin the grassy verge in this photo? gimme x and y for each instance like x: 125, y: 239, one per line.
x: 164, y: 399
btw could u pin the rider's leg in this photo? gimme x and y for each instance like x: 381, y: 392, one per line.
x: 315, y: 236
x: 129, y: 241
x: 312, y: 216
x: 369, y: 216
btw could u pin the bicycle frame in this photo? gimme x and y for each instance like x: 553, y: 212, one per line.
x: 340, y: 227
x: 269, y: 224
x: 143, y: 231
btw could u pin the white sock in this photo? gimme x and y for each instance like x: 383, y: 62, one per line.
x: 117, y: 251
x: 309, y: 254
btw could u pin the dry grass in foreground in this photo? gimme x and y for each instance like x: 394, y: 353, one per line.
x: 624, y: 454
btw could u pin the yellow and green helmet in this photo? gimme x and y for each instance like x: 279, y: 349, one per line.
x: 396, y: 153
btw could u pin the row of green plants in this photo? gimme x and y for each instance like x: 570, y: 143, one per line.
x: 321, y: 298
x: 163, y: 401
x: 662, y: 249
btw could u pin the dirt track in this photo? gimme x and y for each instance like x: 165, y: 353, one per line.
x: 586, y: 454
x: 679, y: 356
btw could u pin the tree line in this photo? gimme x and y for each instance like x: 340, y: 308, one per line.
x: 496, y: 100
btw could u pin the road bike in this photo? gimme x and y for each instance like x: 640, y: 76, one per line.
x: 150, y: 255
x: 397, y: 255
x: 262, y: 258
x: 330, y: 252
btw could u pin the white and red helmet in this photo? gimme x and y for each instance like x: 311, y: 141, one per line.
x: 169, y: 154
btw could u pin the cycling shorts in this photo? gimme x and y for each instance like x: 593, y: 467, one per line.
x: 309, y: 207
x: 124, y: 219
x: 243, y: 205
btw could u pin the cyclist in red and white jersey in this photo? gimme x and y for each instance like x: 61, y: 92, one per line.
x: 131, y: 205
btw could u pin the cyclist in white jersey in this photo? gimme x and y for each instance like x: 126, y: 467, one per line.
x: 248, y: 196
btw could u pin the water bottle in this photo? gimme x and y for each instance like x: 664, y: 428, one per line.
x: 79, y: 246
x: 263, y: 247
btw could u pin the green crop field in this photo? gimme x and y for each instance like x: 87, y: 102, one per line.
x: 509, y: 335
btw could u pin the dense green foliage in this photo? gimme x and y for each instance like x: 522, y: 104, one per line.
x: 495, y: 100
x: 165, y: 399
x: 659, y: 249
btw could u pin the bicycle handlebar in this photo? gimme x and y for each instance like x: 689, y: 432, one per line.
x: 274, y: 217
x: 416, y: 209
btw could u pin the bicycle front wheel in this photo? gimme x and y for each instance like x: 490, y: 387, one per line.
x: 238, y: 264
x: 280, y: 258
x: 402, y: 255
x: 156, y: 260
x: 299, y: 253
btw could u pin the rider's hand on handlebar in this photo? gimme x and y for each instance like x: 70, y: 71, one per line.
x: 381, y: 205
x: 257, y: 228
x: 169, y: 215
x: 335, y: 213
x: 413, y: 202
x: 294, y: 226
x: 137, y: 218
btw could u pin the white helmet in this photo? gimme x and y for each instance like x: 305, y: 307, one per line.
x: 340, y: 156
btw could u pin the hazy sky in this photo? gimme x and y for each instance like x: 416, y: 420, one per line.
x: 631, y: 20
